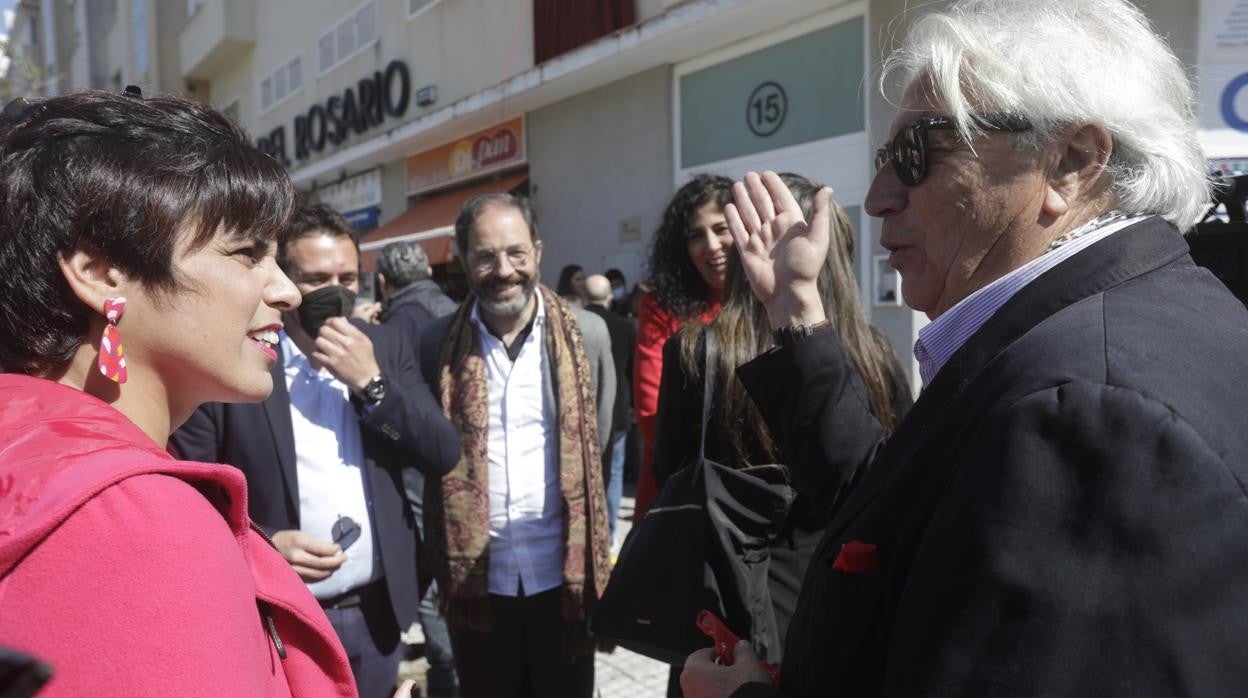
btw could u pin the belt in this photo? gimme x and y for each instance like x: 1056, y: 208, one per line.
x: 354, y: 597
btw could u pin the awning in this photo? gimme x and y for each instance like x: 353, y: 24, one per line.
x: 431, y: 222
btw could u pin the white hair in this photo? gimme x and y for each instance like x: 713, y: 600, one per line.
x: 1063, y: 62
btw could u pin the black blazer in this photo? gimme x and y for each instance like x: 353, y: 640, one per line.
x: 406, y: 429
x: 1063, y: 510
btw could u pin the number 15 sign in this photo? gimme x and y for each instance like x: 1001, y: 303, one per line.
x: 766, y: 108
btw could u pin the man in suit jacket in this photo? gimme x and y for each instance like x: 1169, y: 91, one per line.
x: 1062, y: 512
x: 324, y: 454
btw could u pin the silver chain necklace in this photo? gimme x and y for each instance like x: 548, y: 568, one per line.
x: 1094, y: 224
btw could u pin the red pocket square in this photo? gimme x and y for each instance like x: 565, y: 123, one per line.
x: 857, y: 557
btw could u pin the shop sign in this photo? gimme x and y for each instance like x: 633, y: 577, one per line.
x: 493, y: 149
x: 1223, y: 80
x: 354, y: 193
x: 363, y: 218
x: 384, y: 94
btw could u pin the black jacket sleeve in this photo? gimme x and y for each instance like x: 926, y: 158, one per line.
x: 199, y: 438
x: 408, y: 418
x: 816, y: 405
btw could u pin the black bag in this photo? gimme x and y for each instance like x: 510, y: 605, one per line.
x: 703, y: 544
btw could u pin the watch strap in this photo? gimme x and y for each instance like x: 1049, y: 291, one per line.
x: 791, y: 334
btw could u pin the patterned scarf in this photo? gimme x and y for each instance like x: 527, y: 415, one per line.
x: 457, y: 506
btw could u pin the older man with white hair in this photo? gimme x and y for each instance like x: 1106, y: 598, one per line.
x: 1063, y: 510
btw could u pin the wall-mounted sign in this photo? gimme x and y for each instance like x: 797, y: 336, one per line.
x: 1223, y: 95
x: 493, y: 149
x: 353, y: 193
x: 785, y: 90
x: 383, y: 94
x: 766, y: 108
x: 365, y: 218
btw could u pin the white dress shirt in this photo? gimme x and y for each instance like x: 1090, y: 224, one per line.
x: 526, y: 503
x: 329, y: 455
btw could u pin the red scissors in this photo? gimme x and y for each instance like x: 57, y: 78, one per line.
x: 725, y: 640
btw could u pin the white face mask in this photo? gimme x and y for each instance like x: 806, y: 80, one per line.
x: 618, y: 293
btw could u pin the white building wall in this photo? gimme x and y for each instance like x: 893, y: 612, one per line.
x: 600, y: 167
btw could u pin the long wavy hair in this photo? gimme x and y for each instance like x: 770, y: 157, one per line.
x: 742, y: 332
x: 678, y: 287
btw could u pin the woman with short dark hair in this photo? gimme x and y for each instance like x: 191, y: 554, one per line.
x: 137, y: 238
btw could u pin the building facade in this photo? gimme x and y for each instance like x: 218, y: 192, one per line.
x: 394, y: 111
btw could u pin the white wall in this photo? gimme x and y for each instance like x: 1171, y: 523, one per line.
x: 597, y: 160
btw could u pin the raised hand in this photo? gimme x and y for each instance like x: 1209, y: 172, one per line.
x: 347, y: 352
x: 780, y: 251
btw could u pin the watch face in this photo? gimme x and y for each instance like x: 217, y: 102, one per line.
x: 376, y: 389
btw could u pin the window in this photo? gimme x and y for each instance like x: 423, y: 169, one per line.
x: 284, y: 81
x: 138, y: 34
x: 354, y: 33
x: 415, y: 7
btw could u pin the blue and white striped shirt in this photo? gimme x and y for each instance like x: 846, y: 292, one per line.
x: 947, y: 333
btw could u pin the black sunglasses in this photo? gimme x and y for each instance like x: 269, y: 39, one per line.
x: 908, y: 149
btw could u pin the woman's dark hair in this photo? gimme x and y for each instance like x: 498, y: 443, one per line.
x: 678, y: 287
x: 564, y: 287
x: 126, y: 178
x: 742, y: 332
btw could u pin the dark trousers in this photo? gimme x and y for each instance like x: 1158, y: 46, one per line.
x: 440, y: 679
x: 522, y: 655
x: 369, y: 632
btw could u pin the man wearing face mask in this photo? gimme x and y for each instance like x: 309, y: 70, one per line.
x: 324, y: 454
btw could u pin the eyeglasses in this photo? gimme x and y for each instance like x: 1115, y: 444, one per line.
x: 908, y: 149
x: 485, y: 261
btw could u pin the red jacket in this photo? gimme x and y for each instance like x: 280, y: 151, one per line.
x: 135, y: 574
x: 654, y: 327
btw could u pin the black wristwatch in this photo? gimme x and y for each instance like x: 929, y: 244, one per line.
x: 375, y: 391
x: 786, y: 336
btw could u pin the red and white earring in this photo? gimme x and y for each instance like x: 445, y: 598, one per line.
x: 112, y: 358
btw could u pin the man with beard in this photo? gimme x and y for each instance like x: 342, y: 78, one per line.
x: 517, y: 532
x: 324, y: 454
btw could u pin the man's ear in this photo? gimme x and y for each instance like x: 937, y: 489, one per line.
x: 92, y: 278
x: 1079, y: 171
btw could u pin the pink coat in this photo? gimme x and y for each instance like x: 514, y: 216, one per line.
x: 134, y: 574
